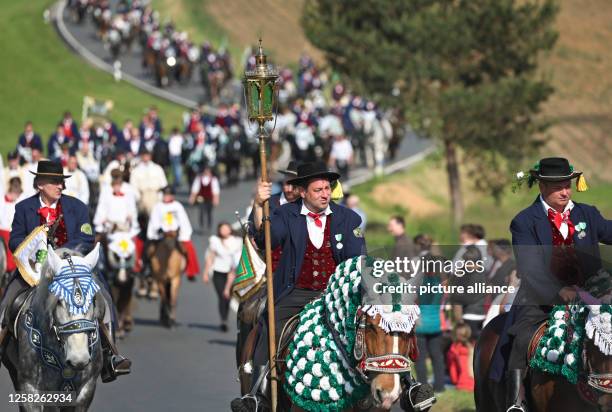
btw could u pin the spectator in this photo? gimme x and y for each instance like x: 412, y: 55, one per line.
x: 28, y: 178
x: 175, y: 149
x: 403, y: 246
x: 429, y: 329
x: 474, y: 234
x: 503, y: 262
x: 221, y: 258
x: 459, y: 359
x: 77, y: 186
x: 205, y: 190
x: 55, y: 143
x: 352, y: 202
x: 28, y: 140
x: 87, y: 161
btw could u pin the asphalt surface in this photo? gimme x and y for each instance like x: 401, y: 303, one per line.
x: 190, y: 367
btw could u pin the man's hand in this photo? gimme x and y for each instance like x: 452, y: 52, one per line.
x: 264, y: 191
x: 568, y: 294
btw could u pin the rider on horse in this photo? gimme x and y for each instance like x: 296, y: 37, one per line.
x: 549, y: 274
x: 69, y: 227
x: 170, y: 215
x: 315, y: 234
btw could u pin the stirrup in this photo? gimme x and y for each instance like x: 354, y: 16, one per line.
x: 422, y: 393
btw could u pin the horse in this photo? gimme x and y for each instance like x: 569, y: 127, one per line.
x: 340, y: 353
x: 167, y: 264
x: 544, y: 391
x: 4, y: 273
x: 57, y: 331
x: 120, y: 262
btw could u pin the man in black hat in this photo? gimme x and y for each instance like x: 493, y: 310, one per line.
x: 556, y: 246
x: 69, y: 227
x: 315, y: 235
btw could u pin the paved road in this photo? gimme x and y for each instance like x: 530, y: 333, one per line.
x: 189, y: 368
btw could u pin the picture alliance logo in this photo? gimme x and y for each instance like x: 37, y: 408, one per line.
x: 411, y: 267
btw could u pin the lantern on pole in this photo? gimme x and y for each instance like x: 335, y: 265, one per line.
x: 261, y: 95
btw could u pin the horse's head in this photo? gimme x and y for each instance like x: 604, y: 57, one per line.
x: 597, y: 353
x: 73, y: 304
x: 384, y: 342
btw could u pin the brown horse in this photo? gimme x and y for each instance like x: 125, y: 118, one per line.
x: 167, y: 264
x: 385, y: 388
x: 544, y: 392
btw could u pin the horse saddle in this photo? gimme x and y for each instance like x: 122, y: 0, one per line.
x: 535, y: 340
x: 287, y: 335
x: 252, y: 308
x: 15, y: 308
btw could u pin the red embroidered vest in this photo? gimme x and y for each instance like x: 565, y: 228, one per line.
x: 60, y: 236
x: 564, y: 263
x: 206, y: 190
x: 318, y: 264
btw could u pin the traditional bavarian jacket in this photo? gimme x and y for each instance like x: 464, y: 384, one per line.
x: 289, y: 231
x: 532, y: 239
x: 79, y: 233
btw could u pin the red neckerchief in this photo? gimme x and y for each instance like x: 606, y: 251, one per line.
x: 558, y: 219
x: 317, y: 218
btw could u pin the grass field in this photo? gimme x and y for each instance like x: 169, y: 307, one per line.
x: 41, y: 78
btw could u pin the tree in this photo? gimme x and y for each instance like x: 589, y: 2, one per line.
x: 463, y: 72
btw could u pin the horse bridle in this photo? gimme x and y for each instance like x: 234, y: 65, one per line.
x: 601, y: 382
x: 76, y: 326
x: 389, y: 363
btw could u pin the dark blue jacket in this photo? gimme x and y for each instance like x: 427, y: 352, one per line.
x: 35, y: 143
x: 76, y: 218
x: 288, y: 229
x: 532, y: 241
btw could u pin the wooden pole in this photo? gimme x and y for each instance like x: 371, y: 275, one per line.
x: 269, y: 279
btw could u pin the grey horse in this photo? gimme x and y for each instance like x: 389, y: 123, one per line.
x: 58, y: 332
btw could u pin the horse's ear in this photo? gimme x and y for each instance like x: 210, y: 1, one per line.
x: 54, y: 261
x: 92, y: 257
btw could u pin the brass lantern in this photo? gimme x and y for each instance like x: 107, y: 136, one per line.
x: 261, y: 90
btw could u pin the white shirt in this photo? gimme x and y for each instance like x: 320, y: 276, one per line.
x: 342, y: 150
x: 564, y: 229
x: 282, y: 199
x: 175, y: 145
x: 7, y: 212
x: 168, y: 217
x: 316, y: 233
x: 148, y: 176
x: 205, y: 180
x: 116, y: 210
x: 77, y: 185
x: 227, y: 252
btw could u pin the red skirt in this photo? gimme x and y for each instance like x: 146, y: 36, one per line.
x: 10, y: 262
x: 193, y: 266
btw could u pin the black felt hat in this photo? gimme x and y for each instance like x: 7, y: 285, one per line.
x: 291, y: 169
x: 307, y: 171
x: 554, y: 169
x: 47, y: 168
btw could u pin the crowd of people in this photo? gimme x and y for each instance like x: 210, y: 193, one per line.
x: 450, y: 324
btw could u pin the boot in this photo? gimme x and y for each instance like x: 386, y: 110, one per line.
x: 515, y: 391
x: 3, y: 341
x: 257, y: 399
x: 113, y: 364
